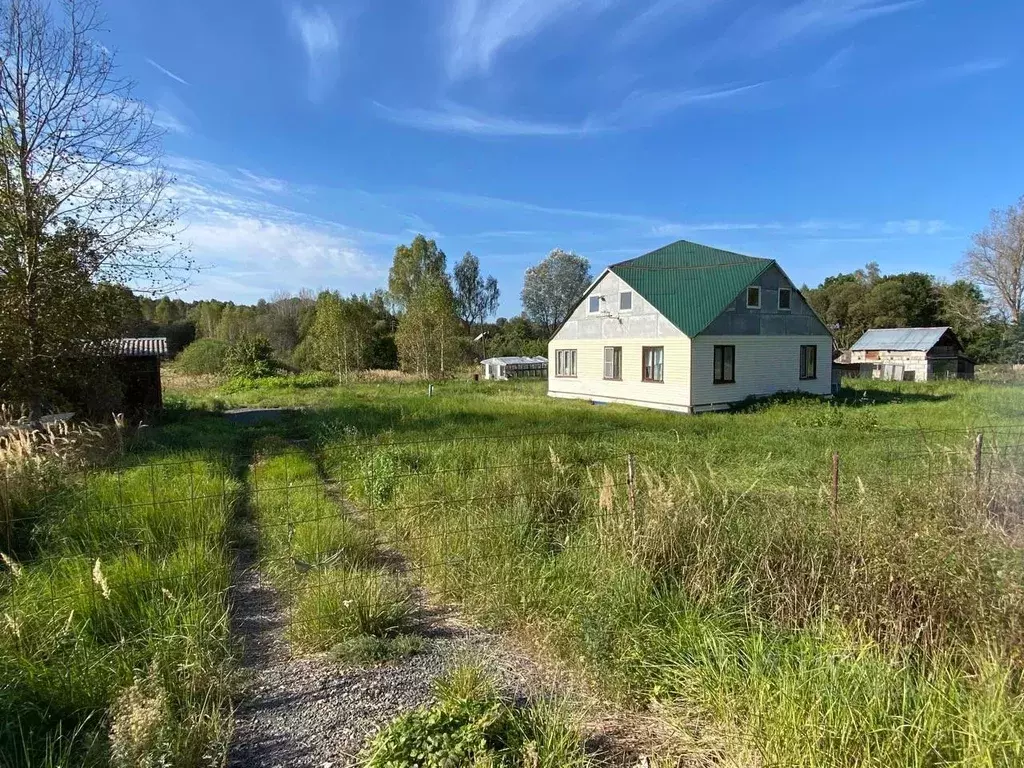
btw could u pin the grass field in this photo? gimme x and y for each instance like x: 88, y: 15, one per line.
x: 722, y: 587
x: 771, y: 625
x: 115, y: 649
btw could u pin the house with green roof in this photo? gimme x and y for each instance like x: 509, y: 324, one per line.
x: 690, y: 328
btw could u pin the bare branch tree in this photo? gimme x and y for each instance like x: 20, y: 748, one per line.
x: 996, y: 261
x: 84, y: 198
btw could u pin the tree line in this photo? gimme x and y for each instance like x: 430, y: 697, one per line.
x: 86, y: 210
x: 428, y: 321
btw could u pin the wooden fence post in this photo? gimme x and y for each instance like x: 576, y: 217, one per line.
x: 835, y: 484
x: 979, y: 444
x: 631, y: 498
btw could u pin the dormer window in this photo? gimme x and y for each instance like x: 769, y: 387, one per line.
x: 754, y: 297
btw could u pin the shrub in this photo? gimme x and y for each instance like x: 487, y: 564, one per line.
x: 251, y: 357
x: 204, y: 356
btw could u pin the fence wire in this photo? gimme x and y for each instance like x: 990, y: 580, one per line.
x: 387, y: 525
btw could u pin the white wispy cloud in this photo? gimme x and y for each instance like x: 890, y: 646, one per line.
x: 760, y: 30
x: 915, y: 227
x: 639, y: 109
x: 250, y: 247
x: 969, y: 69
x: 167, y: 72
x: 318, y: 34
x: 173, y: 115
x: 478, y: 30
x: 659, y: 17
x: 167, y: 120
x: 828, y: 75
x: 262, y: 183
x: 639, y: 225
x: 455, y: 118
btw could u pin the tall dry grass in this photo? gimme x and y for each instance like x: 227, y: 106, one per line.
x: 885, y: 632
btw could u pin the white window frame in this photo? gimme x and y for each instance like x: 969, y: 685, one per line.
x: 789, y: 292
x: 753, y: 288
x: 589, y: 305
x: 615, y: 362
x: 657, y: 366
x: 565, y: 363
x: 630, y: 307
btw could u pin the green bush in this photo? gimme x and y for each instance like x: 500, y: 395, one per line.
x: 251, y: 357
x: 203, y: 357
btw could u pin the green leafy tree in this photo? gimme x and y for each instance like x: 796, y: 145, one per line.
x: 552, y: 288
x: 342, y: 333
x: 420, y: 261
x: 908, y: 300
x: 428, y: 331
x: 82, y: 197
x: 476, y: 297
x: 251, y: 357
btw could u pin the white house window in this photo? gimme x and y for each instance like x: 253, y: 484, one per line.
x: 595, y: 304
x: 754, y: 297
x: 654, y: 364
x: 808, y: 361
x: 613, y: 363
x: 785, y: 298
x: 565, y: 363
x: 625, y: 301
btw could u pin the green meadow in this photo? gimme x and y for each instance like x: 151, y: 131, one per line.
x: 696, y: 569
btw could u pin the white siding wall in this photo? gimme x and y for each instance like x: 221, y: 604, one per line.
x: 764, y: 365
x: 632, y: 330
x: 590, y: 384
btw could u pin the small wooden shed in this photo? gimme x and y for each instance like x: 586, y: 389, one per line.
x: 137, y: 366
x: 911, y: 354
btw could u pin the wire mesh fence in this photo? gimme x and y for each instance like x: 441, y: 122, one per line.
x: 342, y: 535
x: 316, y: 512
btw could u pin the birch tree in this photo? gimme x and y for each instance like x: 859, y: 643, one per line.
x: 428, y: 331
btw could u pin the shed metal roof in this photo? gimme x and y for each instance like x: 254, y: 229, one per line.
x: 689, y: 283
x: 900, y: 339
x: 138, y: 347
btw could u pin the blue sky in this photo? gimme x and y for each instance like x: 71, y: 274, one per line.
x: 310, y: 138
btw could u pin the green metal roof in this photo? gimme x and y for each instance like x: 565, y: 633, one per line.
x: 689, y: 283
